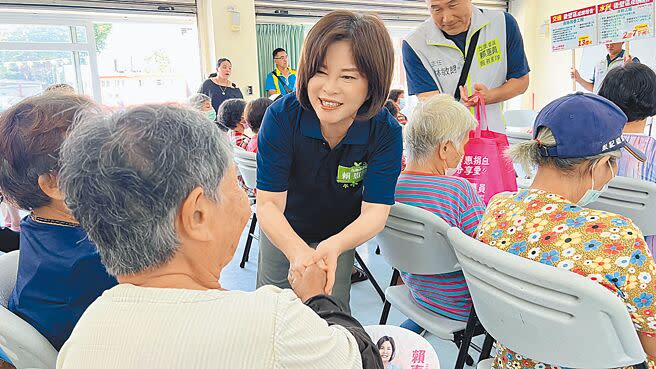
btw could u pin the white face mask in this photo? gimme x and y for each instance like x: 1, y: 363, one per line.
x: 592, y: 195
x: 402, y: 103
x: 453, y: 171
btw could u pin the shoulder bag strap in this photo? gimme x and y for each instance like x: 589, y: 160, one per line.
x: 468, y: 61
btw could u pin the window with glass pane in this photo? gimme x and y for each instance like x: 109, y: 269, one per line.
x: 35, y: 33
x: 26, y: 73
x: 81, y: 35
x: 26, y: 70
x: 147, y: 62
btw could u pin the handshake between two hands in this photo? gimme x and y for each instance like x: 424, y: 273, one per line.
x: 312, y: 272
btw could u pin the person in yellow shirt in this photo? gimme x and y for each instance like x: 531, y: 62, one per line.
x: 282, y: 80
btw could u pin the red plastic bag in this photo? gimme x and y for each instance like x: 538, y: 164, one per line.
x: 485, y: 164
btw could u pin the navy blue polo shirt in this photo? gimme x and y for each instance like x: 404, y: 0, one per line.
x: 326, y: 188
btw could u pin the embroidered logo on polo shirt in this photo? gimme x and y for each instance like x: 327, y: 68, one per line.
x: 351, y: 176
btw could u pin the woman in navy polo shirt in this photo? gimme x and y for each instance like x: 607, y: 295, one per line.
x: 329, y: 156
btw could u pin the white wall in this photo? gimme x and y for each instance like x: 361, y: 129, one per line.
x: 549, y: 71
x: 218, y: 40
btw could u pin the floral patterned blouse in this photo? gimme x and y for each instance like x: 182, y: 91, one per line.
x: 605, y: 247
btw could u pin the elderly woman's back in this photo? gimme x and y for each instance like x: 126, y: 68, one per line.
x: 435, y: 140
x: 550, y: 224
x: 59, y: 270
x: 156, y: 189
x: 137, y: 327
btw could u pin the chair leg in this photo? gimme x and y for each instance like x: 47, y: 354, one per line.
x: 249, y: 241
x: 463, y: 351
x: 395, y: 277
x: 642, y: 365
x: 387, y: 305
x: 486, y: 350
x: 385, y: 314
x: 371, y: 276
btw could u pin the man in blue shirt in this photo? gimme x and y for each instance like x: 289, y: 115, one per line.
x: 282, y: 80
x: 434, y: 56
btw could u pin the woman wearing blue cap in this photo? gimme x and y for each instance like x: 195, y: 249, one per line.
x: 577, y: 143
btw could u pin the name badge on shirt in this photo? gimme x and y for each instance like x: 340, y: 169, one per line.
x: 489, y: 53
x: 351, y: 176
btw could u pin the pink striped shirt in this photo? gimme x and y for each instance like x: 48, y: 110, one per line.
x: 454, y: 200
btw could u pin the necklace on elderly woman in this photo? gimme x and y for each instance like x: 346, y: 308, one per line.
x: 53, y: 221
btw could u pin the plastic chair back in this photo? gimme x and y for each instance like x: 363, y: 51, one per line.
x: 632, y: 198
x: 247, y: 164
x: 414, y: 241
x: 8, y: 271
x: 546, y: 313
x: 23, y: 345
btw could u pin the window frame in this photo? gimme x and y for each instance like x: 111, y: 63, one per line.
x: 75, y: 48
x: 86, y: 19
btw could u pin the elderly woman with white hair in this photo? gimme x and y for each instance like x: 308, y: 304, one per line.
x: 435, y: 140
x: 203, y: 103
x: 155, y: 188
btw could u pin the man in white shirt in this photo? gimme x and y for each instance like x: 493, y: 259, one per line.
x: 616, y: 57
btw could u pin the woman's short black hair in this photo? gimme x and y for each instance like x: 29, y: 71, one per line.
x: 394, y: 94
x: 632, y: 87
x: 231, y: 112
x: 254, y: 112
x: 220, y: 61
x: 389, y: 339
x: 391, y: 106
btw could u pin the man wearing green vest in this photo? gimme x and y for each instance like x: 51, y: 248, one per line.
x: 282, y: 80
x: 462, y: 50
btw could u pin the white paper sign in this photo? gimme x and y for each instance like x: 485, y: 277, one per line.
x: 574, y: 29
x: 625, y: 20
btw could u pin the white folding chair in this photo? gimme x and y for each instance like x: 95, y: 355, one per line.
x: 415, y: 241
x: 24, y: 345
x: 632, y: 198
x: 546, y: 313
x: 520, y: 118
x: 247, y: 165
x: 8, y: 271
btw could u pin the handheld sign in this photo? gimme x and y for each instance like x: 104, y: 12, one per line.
x: 625, y: 20
x: 574, y: 29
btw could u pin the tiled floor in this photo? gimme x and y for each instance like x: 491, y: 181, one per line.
x: 366, y: 305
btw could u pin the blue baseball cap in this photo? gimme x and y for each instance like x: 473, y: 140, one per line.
x: 584, y: 125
